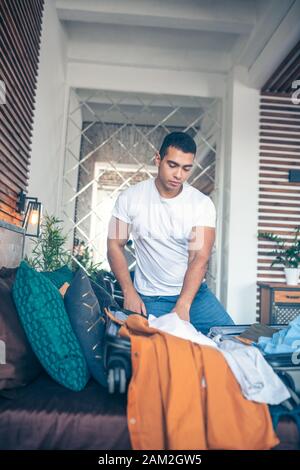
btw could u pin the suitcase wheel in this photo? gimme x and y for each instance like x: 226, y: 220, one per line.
x: 116, y: 380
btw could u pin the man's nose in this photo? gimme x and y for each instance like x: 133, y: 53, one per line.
x: 178, y: 173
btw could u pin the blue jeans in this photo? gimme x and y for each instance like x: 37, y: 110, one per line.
x: 205, y: 312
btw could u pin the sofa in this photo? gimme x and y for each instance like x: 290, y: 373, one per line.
x: 46, y: 415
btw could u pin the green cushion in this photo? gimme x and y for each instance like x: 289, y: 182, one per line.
x: 46, y: 323
x: 59, y: 276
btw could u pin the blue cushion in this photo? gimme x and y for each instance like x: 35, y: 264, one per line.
x: 59, y: 276
x: 104, y: 298
x: 88, y: 322
x: 46, y: 323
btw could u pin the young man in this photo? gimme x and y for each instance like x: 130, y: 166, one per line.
x: 173, y: 228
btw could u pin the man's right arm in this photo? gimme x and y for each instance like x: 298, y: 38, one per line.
x: 118, y: 234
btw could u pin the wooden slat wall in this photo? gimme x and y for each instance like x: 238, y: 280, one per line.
x: 282, y: 79
x: 20, y: 32
x: 279, y: 200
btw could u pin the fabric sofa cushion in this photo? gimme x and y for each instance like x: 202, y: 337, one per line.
x: 18, y: 363
x: 46, y: 323
x: 88, y: 322
x: 59, y: 276
x: 105, y: 299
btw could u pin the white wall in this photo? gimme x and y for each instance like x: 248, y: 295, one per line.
x: 238, y: 255
x: 71, y: 169
x: 48, y: 131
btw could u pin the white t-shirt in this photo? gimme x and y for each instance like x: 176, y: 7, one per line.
x: 160, y: 228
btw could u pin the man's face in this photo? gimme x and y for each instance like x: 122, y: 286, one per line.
x: 174, y: 168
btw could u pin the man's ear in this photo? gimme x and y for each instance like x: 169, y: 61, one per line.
x: 157, y: 159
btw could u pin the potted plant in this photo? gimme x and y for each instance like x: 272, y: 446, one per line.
x: 286, y: 254
x: 49, y: 252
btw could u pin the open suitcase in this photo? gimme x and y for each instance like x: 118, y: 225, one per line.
x: 117, y: 358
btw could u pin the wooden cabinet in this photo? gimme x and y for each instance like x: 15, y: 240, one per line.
x: 279, y: 303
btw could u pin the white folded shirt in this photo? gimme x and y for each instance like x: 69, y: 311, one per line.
x: 256, y: 377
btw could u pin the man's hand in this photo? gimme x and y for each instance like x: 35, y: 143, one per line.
x: 182, y: 310
x: 133, y: 302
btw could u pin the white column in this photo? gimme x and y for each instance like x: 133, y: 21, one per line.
x: 240, y: 191
x: 49, y: 118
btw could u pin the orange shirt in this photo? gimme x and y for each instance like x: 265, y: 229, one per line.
x: 184, y: 396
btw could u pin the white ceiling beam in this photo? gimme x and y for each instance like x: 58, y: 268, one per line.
x: 232, y: 16
x: 165, y: 49
x: 145, y: 80
x: 246, y: 52
x: 282, y: 41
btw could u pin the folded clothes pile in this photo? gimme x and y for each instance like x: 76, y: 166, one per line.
x: 287, y: 340
x: 257, y: 379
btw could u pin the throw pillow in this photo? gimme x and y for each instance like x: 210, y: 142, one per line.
x: 104, y: 297
x: 59, y: 276
x: 18, y: 363
x: 46, y: 323
x: 88, y: 322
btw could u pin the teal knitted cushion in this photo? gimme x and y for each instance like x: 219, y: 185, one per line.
x: 59, y: 276
x: 46, y: 323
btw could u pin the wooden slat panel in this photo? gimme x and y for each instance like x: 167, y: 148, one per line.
x: 272, y: 175
x: 11, y: 80
x: 294, y: 73
x: 280, y: 128
x: 10, y: 150
x: 276, y: 171
x: 279, y: 191
x: 20, y: 33
x: 28, y: 31
x: 278, y: 204
x: 271, y: 275
x: 18, y: 138
x: 278, y: 211
x: 281, y: 162
x: 281, y: 122
x: 270, y: 94
x: 281, y: 115
x: 12, y: 173
x: 11, y: 112
x: 278, y: 100
x: 13, y: 36
x: 279, y: 199
x: 8, y: 40
x: 273, y: 226
x: 279, y: 135
x: 4, y: 189
x: 9, y: 201
x: 11, y: 219
x: 288, y: 148
x: 32, y: 18
x: 283, y: 71
x: 278, y: 183
x: 281, y: 108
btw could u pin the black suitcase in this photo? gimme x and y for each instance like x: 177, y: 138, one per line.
x: 117, y: 353
x: 283, y: 364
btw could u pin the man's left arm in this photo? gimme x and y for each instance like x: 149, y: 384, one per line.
x: 200, y: 245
